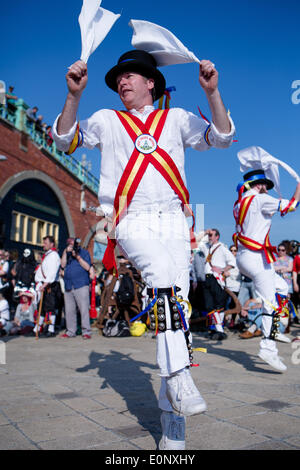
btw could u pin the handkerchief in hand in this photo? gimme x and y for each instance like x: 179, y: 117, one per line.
x: 95, y: 23
x: 161, y: 43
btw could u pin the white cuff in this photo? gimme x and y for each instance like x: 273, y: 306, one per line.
x: 63, y: 141
x: 219, y: 139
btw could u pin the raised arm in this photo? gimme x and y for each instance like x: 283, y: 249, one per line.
x: 208, y: 79
x: 76, y: 78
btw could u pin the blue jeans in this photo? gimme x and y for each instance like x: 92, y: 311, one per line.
x: 252, y: 314
x: 26, y: 323
x: 246, y: 292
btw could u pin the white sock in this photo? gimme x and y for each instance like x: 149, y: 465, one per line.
x: 41, y: 321
x: 52, y: 324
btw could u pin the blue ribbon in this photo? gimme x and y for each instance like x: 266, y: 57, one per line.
x: 149, y: 307
x: 253, y: 178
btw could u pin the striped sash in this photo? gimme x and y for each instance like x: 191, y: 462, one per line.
x: 146, y: 150
x: 253, y: 245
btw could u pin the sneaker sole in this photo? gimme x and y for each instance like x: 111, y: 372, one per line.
x: 199, y: 410
x: 284, y: 340
x: 272, y: 365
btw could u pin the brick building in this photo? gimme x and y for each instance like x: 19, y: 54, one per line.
x: 42, y: 191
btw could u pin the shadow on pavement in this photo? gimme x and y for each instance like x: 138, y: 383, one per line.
x: 127, y: 378
x: 248, y: 361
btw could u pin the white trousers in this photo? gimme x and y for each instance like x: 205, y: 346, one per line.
x: 266, y: 283
x: 158, y: 244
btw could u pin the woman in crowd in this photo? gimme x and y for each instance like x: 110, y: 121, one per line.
x: 284, y: 265
x: 24, y: 318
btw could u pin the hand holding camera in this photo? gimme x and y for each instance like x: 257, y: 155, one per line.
x: 73, y: 247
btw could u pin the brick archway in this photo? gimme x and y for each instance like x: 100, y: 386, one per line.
x: 39, y: 175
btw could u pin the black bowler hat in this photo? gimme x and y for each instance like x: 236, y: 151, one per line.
x: 258, y: 177
x: 140, y: 62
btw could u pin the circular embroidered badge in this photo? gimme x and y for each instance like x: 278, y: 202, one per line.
x: 145, y: 143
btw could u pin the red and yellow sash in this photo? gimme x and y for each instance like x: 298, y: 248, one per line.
x: 253, y: 245
x: 136, y: 168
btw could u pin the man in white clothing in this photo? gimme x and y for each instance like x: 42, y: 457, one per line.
x: 253, y: 214
x: 46, y: 277
x: 219, y: 261
x: 153, y: 232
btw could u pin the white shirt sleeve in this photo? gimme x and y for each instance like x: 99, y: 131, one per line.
x: 219, y: 139
x: 270, y: 205
x: 193, y: 129
x: 92, y: 129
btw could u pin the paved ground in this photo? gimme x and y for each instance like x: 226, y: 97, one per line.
x: 102, y: 394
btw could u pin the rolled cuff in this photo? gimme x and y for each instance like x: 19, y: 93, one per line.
x: 63, y: 141
x: 219, y: 139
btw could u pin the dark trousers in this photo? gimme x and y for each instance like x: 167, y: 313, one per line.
x: 214, y: 296
x: 51, y: 298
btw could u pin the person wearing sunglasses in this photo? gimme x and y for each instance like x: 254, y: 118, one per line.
x: 284, y: 265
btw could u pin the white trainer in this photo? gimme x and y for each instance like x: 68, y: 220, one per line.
x: 183, y: 394
x: 173, y: 432
x: 283, y: 338
x: 272, y: 359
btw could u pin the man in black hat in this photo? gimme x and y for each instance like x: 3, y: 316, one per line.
x: 253, y: 214
x: 142, y: 158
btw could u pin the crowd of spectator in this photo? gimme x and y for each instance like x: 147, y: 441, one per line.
x: 34, y: 121
x: 43, y: 294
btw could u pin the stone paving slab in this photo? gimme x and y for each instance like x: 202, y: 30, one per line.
x: 102, y: 394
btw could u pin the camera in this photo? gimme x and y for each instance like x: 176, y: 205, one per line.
x: 76, y: 246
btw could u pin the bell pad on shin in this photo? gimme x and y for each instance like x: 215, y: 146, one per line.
x: 160, y: 323
x: 176, y: 323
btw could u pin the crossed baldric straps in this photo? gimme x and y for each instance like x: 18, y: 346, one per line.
x: 146, y: 150
x: 253, y: 245
x: 267, y: 248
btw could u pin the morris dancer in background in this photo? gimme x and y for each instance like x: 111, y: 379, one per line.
x: 46, y: 278
x: 253, y: 213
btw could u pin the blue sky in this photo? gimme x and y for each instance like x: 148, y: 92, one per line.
x: 254, y: 44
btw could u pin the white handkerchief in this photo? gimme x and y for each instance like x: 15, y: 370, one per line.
x: 160, y: 43
x: 256, y: 158
x: 95, y: 23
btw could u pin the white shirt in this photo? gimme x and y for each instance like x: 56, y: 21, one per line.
x: 233, y: 281
x: 104, y: 130
x: 49, y: 268
x: 221, y: 257
x: 4, y: 312
x: 258, y: 220
x: 5, y: 267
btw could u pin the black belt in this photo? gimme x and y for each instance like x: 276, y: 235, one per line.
x: 162, y: 291
x: 209, y: 275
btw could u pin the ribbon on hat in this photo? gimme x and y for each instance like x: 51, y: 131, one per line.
x: 95, y: 23
x: 256, y: 158
x: 160, y: 43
